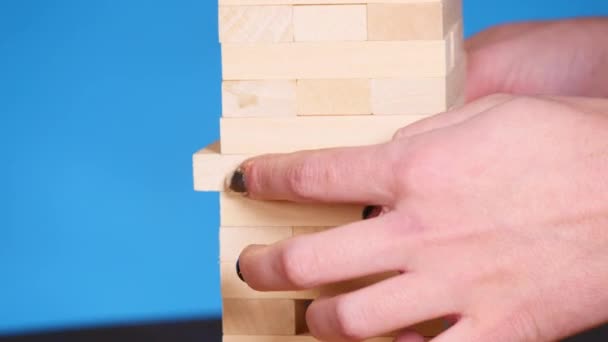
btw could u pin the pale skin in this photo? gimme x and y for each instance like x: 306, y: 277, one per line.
x: 496, y: 214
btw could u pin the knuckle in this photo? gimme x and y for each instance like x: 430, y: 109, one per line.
x: 302, y: 178
x: 422, y: 166
x: 401, y: 133
x: 348, y: 326
x: 296, y: 266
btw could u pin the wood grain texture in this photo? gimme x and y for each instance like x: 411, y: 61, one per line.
x: 238, y: 211
x: 411, y: 21
x: 255, y: 24
x: 279, y: 135
x: 335, y: 60
x: 330, y: 23
x: 334, y: 97
x: 234, y: 239
x: 258, y: 98
x: 430, y: 95
x: 263, y: 316
x: 395, y: 96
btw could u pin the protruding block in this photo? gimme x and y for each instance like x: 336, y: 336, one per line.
x: 238, y: 211
x: 317, y: 2
x: 330, y: 23
x: 264, y: 316
x: 246, y: 24
x: 233, y: 287
x: 334, y: 97
x: 210, y: 168
x: 259, y: 98
x: 422, y: 20
x: 331, y: 60
x: 234, y: 239
x: 278, y: 135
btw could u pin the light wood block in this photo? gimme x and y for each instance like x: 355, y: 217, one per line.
x: 431, y: 95
x: 210, y: 168
x: 318, y: 2
x: 330, y: 23
x: 263, y: 316
x: 278, y: 135
x: 258, y: 98
x: 238, y: 211
x: 233, y: 287
x: 331, y: 60
x: 246, y: 24
x: 334, y: 97
x: 234, y: 239
x: 413, y: 21
x: 425, y: 95
x: 456, y: 49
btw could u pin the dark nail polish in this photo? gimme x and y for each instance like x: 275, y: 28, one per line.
x: 238, y: 271
x: 367, y: 211
x: 237, y: 182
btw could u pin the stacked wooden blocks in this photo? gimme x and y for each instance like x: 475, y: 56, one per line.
x: 308, y: 74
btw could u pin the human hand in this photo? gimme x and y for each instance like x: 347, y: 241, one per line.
x: 554, y: 58
x: 497, y: 215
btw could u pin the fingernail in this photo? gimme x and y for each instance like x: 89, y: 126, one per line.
x: 238, y: 271
x: 368, y: 211
x: 237, y: 181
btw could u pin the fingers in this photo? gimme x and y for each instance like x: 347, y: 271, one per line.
x: 409, y: 336
x: 389, y: 305
x: 462, y: 331
x: 453, y: 117
x: 352, y: 175
x: 307, y: 261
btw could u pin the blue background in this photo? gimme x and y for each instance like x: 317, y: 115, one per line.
x: 101, y: 105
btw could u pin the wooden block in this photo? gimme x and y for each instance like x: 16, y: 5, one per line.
x: 258, y: 98
x: 245, y: 24
x: 334, y: 97
x: 455, y: 48
x: 456, y: 85
x: 264, y: 316
x: 331, y: 60
x: 431, y: 95
x: 233, y: 287
x: 317, y: 2
x: 278, y: 135
x: 330, y: 23
x: 234, y: 239
x: 210, y: 168
x: 238, y: 211
x: 410, y: 21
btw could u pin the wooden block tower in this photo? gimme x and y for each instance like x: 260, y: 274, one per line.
x: 308, y: 74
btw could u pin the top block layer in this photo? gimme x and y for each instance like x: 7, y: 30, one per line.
x: 317, y: 2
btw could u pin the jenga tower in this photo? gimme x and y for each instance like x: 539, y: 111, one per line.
x: 308, y: 74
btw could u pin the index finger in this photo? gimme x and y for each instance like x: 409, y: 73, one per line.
x: 339, y: 175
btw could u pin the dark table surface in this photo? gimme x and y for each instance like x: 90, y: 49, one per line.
x: 196, y: 330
